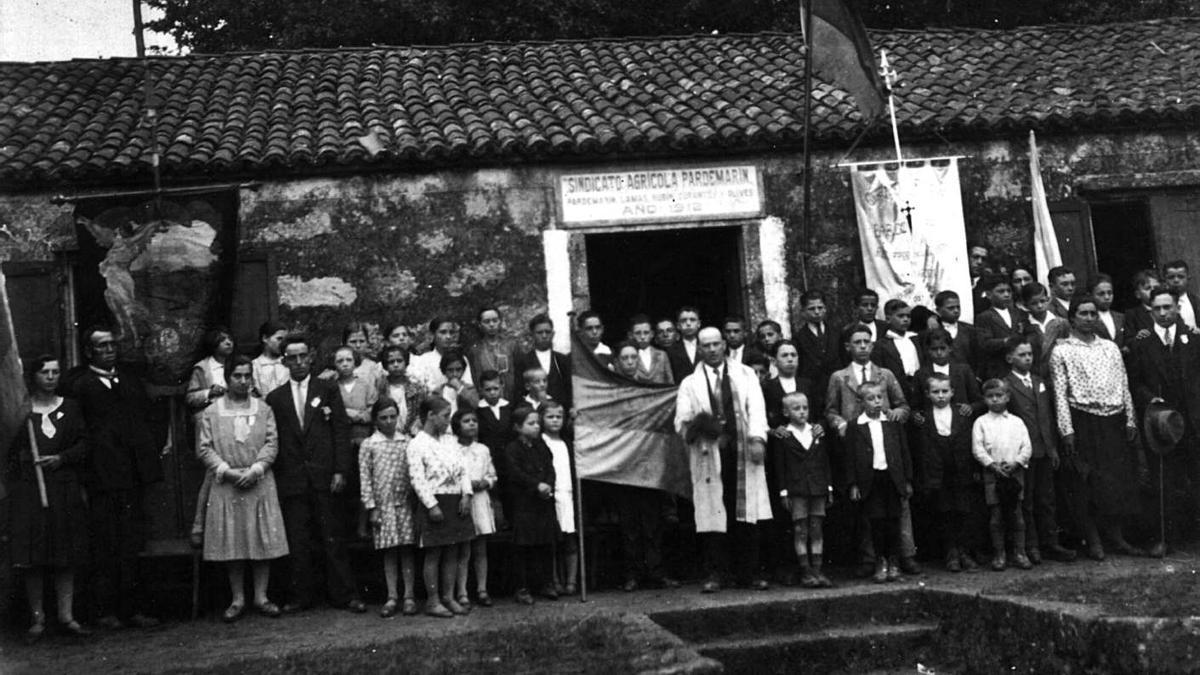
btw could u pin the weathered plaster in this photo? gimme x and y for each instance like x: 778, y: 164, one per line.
x: 320, y: 292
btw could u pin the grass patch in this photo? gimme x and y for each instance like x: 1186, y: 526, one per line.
x: 1171, y: 592
x: 593, y: 645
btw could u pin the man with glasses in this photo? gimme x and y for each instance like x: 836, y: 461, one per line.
x: 122, y: 462
x: 311, y: 468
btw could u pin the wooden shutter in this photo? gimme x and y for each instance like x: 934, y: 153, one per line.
x: 1175, y: 218
x: 36, y: 301
x: 255, y: 298
x: 1073, y: 228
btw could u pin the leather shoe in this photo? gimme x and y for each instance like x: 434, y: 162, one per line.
x: 666, y: 582
x: 710, y: 586
x: 455, y: 607
x: 549, y: 592
x: 999, y: 563
x: 630, y: 585
x: 1022, y: 561
x: 73, y: 629
x: 523, y: 597
x: 1095, y: 551
x: 409, y: 608
x: 909, y: 565
x: 356, y: 606
x: 1125, y: 548
x: 233, y: 613
x: 437, y: 609
x: 1158, y: 550
x: 484, y: 599
x: 389, y: 609
x: 759, y: 585
x: 1059, y: 553
x: 269, y: 610
x: 1035, y: 555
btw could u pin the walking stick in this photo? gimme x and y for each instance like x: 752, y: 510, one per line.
x: 37, y: 468
x: 579, y: 532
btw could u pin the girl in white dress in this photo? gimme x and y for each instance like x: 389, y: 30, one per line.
x: 482, y: 474
x: 566, y: 552
x: 383, y: 468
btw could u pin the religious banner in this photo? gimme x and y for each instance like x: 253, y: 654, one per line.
x: 910, y: 226
x: 659, y: 195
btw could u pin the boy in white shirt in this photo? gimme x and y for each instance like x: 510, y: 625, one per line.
x: 1000, y: 442
x: 802, y: 465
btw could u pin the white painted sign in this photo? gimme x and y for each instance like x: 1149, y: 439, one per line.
x: 660, y: 195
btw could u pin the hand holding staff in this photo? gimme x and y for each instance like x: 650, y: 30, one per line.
x: 37, y: 464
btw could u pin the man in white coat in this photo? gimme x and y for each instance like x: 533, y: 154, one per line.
x: 720, y: 412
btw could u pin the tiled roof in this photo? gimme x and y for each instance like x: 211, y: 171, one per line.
x: 417, y: 107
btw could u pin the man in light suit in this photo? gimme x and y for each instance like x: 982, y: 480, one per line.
x: 653, y: 363
x: 720, y: 413
x: 310, y: 473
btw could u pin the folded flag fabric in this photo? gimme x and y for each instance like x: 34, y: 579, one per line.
x: 842, y: 54
x: 624, y: 430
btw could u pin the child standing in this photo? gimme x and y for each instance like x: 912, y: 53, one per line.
x: 566, y: 555
x: 397, y: 386
x: 534, y: 523
x: 1001, y: 444
x: 536, y: 387
x: 949, y: 473
x: 880, y: 477
x: 802, y: 464
x: 482, y: 474
x: 383, y: 467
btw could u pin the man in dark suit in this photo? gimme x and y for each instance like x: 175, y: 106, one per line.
x: 733, y: 329
x: 1111, y: 324
x: 866, y: 306
x: 996, y: 325
x: 1030, y: 400
x: 557, y: 366
x: 1176, y: 277
x: 653, y: 364
x: 967, y: 399
x: 123, y: 462
x: 817, y: 344
x: 964, y: 346
x: 1165, y: 367
x: 310, y: 472
x: 1062, y: 288
x: 591, y: 334
x: 1139, y: 321
x: 496, y: 428
x: 685, y: 352
x: 897, y: 350
x: 978, y: 259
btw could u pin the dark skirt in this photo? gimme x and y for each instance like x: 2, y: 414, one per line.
x: 534, y: 522
x: 884, y: 500
x: 454, y: 529
x: 1106, y: 464
x: 55, y: 536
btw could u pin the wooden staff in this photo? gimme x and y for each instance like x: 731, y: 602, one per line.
x: 37, y: 468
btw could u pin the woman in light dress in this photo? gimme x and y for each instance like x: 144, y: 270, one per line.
x: 386, y: 488
x: 238, y: 444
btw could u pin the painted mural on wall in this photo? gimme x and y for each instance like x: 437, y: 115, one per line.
x: 159, y: 269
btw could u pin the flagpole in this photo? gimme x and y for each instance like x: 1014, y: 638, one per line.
x: 889, y: 78
x: 806, y: 224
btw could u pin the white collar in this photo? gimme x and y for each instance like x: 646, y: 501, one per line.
x: 866, y: 419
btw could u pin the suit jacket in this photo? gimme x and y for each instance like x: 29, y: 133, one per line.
x: 861, y: 454
x: 681, y: 365
x: 881, y: 329
x: 818, y: 355
x: 962, y: 383
x: 887, y: 355
x: 309, y: 455
x: 660, y: 368
x: 1035, y: 407
x: 993, y: 334
x: 1135, y: 321
x: 802, y: 472
x: 1155, y: 372
x: 1056, y: 308
x: 979, y: 299
x: 122, y: 452
x: 558, y: 378
x: 938, y: 456
x: 841, y: 397
x: 965, y: 348
x: 773, y: 401
x: 1119, y: 323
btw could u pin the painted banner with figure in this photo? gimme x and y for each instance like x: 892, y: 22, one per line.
x: 912, y: 264
x: 624, y: 430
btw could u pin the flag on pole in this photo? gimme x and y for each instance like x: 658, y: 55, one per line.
x: 14, y: 399
x: 842, y: 54
x: 1045, y: 241
x: 625, y: 430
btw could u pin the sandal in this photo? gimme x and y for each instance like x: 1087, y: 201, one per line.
x: 409, y: 607
x: 268, y: 609
x: 465, y: 601
x: 389, y: 609
x: 484, y: 599
x: 73, y: 628
x: 233, y: 613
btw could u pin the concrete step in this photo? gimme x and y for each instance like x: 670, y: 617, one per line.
x: 841, y: 649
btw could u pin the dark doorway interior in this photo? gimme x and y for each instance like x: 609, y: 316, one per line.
x: 1124, y: 245
x: 657, y: 272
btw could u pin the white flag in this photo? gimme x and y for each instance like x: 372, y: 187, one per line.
x: 1045, y: 242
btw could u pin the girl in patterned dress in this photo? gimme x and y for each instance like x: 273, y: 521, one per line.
x: 383, y: 468
x: 482, y: 474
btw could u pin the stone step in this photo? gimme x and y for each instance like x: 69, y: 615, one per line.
x: 845, y: 649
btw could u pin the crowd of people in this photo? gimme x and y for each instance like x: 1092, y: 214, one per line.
x: 1027, y: 435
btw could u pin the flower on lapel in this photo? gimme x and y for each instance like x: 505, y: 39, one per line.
x: 316, y: 402
x: 58, y: 414
x: 327, y: 411
x: 1183, y: 338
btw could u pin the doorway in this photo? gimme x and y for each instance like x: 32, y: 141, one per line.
x: 1124, y: 245
x: 657, y: 272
